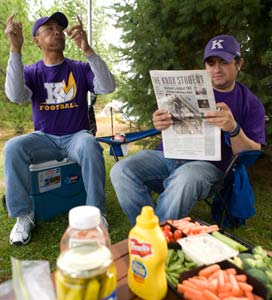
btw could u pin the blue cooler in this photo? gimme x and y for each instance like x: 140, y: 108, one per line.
x: 56, y: 187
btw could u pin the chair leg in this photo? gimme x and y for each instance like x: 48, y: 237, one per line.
x: 114, y: 153
x: 225, y: 213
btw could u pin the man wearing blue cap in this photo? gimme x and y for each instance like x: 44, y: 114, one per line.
x: 181, y: 183
x: 57, y: 88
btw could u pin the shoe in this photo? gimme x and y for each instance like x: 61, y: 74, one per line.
x: 21, y: 231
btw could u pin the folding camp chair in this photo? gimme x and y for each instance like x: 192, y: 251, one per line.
x: 233, y: 198
x: 116, y: 147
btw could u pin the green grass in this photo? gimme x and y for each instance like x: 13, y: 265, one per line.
x: 46, y: 236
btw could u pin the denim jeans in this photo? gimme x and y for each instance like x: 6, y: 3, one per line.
x: 38, y: 147
x: 180, y: 183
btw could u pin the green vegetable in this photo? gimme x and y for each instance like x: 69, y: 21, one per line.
x: 176, y: 264
x: 269, y: 275
x: 249, y: 263
x: 269, y: 291
x: 258, y: 274
x: 230, y: 242
x: 258, y: 250
x: 245, y: 255
x: 181, y: 256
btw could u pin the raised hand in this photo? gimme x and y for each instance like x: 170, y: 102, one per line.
x: 14, y: 34
x: 79, y: 36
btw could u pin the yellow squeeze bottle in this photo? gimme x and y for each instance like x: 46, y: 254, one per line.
x: 147, y: 255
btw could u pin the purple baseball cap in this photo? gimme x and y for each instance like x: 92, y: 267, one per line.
x: 224, y: 46
x: 59, y: 17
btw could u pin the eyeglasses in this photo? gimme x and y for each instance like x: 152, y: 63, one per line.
x: 50, y: 28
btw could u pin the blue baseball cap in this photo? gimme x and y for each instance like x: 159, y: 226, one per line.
x: 224, y: 46
x: 59, y: 17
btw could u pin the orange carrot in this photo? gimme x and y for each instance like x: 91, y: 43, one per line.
x: 207, y: 271
x: 225, y: 294
x: 234, y: 284
x: 231, y: 271
x: 245, y: 286
x: 211, y: 228
x: 201, y: 284
x: 213, y: 275
x: 228, y: 286
x: 221, y: 280
x: 235, y: 298
x: 249, y: 295
x: 189, y: 283
x: 207, y: 295
x: 213, y: 284
x: 183, y: 288
x: 241, y: 277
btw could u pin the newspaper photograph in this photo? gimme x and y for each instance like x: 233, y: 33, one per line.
x: 187, y: 95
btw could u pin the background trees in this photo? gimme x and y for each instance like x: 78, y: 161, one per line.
x: 164, y: 34
x: 172, y: 34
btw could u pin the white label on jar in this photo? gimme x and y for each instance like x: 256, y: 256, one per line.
x: 74, y: 242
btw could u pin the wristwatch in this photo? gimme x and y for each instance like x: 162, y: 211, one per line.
x: 236, y: 131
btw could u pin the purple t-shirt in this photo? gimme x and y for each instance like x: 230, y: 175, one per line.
x: 59, y: 96
x: 248, y: 111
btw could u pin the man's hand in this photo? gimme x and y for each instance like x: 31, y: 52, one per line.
x: 222, y: 118
x: 162, y: 119
x: 14, y: 34
x: 79, y: 36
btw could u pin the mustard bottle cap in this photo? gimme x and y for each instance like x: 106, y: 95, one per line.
x: 147, y: 218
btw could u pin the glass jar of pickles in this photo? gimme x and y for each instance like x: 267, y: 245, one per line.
x: 86, y: 273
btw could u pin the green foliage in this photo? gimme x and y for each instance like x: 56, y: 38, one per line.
x: 14, y: 116
x: 172, y: 34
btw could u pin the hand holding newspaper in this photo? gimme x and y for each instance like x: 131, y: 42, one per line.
x: 187, y: 95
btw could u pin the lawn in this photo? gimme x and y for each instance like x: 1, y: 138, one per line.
x: 46, y: 236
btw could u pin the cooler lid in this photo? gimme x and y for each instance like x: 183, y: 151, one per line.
x: 50, y: 164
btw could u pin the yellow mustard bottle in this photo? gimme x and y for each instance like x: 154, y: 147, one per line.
x: 147, y: 255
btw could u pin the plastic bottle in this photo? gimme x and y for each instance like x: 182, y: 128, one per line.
x: 147, y: 255
x: 84, y: 228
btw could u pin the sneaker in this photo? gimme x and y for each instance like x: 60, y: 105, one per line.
x: 21, y: 231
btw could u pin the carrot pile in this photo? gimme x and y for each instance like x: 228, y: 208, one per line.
x: 192, y: 228
x: 213, y: 283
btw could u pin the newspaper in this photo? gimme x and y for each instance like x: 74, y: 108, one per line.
x: 187, y: 95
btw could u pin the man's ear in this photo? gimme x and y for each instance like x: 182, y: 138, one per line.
x: 240, y: 64
x: 36, y: 41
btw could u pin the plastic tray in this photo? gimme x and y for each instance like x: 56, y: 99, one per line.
x: 258, y: 287
x: 205, y: 249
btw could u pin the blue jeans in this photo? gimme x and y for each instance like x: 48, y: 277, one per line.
x: 180, y: 184
x: 38, y: 147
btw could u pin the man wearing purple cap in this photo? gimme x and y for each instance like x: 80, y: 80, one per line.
x: 57, y: 88
x: 181, y: 183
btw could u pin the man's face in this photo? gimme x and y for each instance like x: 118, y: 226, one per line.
x: 50, y: 36
x: 223, y: 73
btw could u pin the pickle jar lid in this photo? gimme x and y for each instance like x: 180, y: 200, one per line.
x: 84, y: 261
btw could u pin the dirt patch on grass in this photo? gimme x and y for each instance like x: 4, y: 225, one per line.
x: 106, y: 126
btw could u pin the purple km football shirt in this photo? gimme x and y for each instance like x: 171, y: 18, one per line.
x: 59, y: 96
